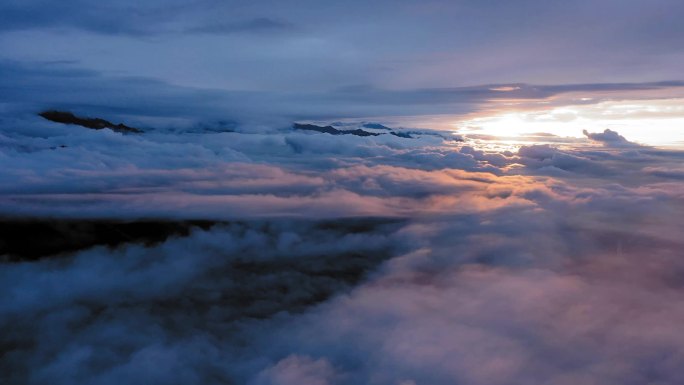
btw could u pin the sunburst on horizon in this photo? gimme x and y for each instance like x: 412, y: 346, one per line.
x: 650, y: 122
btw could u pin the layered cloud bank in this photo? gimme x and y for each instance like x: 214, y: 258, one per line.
x: 183, y: 231
x: 341, y: 259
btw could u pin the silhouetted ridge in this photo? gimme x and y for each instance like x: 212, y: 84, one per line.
x: 376, y: 126
x: 94, y: 123
x: 332, y: 130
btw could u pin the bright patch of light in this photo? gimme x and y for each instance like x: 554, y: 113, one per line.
x: 651, y: 122
x: 504, y: 89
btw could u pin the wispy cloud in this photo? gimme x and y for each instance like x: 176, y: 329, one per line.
x: 260, y: 25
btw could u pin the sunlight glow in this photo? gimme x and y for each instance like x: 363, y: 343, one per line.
x: 651, y: 122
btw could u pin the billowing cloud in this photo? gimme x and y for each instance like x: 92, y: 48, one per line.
x: 546, y: 264
x: 608, y: 138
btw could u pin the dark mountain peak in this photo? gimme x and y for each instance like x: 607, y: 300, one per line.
x: 332, y: 130
x: 376, y: 126
x: 312, y: 127
x: 66, y: 117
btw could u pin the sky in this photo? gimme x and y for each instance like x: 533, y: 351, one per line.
x: 264, y: 62
x: 511, y: 215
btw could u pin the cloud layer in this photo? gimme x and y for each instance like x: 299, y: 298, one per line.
x: 555, y: 264
x: 428, y: 258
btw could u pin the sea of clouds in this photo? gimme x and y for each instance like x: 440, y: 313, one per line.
x: 346, y: 260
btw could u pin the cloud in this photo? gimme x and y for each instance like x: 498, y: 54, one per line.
x: 622, y: 162
x: 341, y: 259
x: 298, y: 370
x: 514, y: 296
x: 53, y: 169
x: 553, y: 264
x: 147, y: 102
x: 260, y: 25
x: 126, y: 17
x: 552, y: 290
x: 126, y: 299
x: 608, y: 138
x: 272, y: 46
